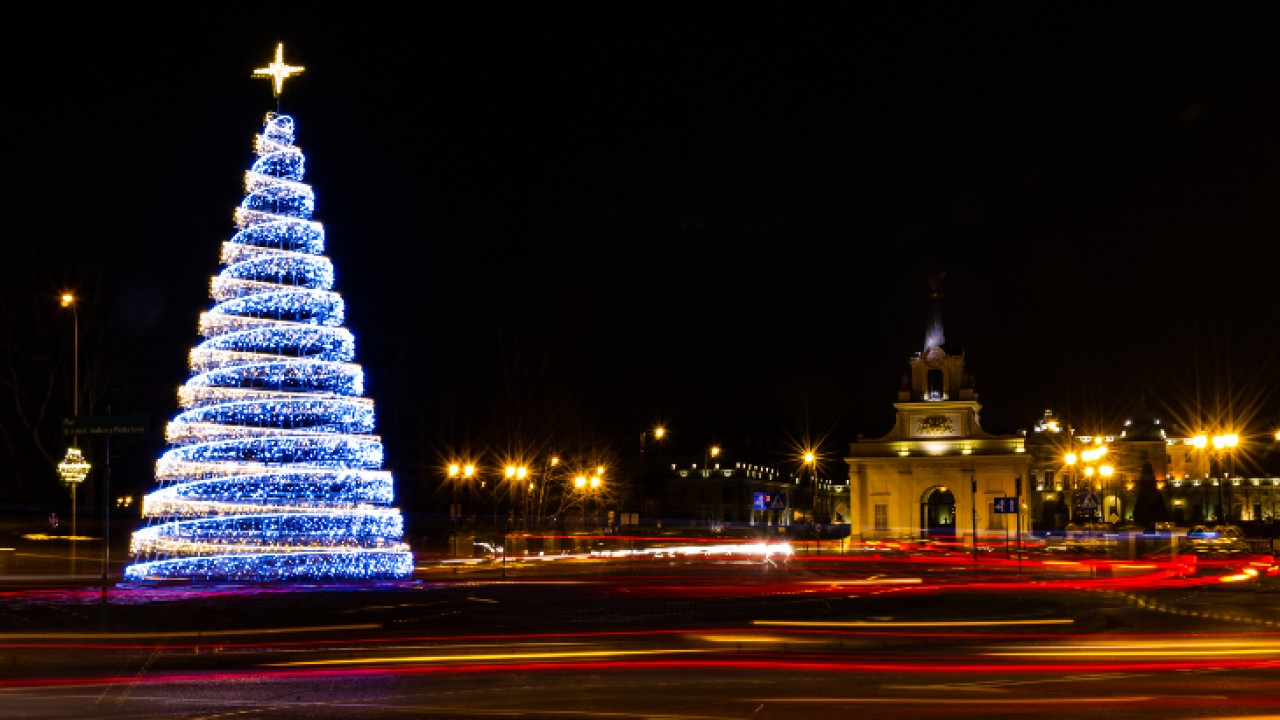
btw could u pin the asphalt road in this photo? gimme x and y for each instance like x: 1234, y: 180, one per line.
x: 874, y: 637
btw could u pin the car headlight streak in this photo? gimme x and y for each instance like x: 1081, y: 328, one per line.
x: 273, y: 472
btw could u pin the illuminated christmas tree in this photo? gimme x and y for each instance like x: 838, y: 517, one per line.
x: 273, y: 472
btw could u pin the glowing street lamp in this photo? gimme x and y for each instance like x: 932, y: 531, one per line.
x: 74, y: 469
x: 587, y: 485
x: 457, y: 472
x: 1225, y: 444
x: 810, y: 461
x: 516, y: 475
x: 69, y: 300
x: 1217, y: 446
x: 465, y: 473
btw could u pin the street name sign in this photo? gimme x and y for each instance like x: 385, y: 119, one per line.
x: 106, y: 425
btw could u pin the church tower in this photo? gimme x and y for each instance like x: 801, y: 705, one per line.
x: 937, y: 474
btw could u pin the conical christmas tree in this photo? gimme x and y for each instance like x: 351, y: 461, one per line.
x: 273, y: 472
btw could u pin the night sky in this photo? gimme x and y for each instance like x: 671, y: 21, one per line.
x: 557, y: 224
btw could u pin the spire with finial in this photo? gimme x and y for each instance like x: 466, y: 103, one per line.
x: 933, y: 335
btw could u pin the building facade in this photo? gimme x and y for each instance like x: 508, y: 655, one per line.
x: 937, y: 474
x: 1198, y: 479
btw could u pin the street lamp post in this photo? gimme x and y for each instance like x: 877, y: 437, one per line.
x: 1222, y: 445
x: 516, y: 476
x: 588, y: 485
x: 811, y: 489
x: 594, y: 484
x: 548, y: 484
x: 1225, y: 445
x: 1072, y: 480
x: 457, y: 472
x: 580, y: 483
x: 74, y: 469
x: 1109, y: 491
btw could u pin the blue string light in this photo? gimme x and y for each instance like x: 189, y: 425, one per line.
x: 273, y: 471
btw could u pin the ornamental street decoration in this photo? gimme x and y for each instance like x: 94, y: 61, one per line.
x: 273, y: 471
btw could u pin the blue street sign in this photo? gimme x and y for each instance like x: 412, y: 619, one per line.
x: 1007, y: 505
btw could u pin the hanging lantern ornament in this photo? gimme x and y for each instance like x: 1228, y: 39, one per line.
x: 73, y: 469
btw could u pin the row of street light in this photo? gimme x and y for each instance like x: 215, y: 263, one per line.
x: 522, y: 489
x: 1098, y: 472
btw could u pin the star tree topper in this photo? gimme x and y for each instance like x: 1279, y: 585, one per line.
x: 278, y: 70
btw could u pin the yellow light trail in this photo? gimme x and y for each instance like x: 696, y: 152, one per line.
x: 790, y: 640
x: 484, y: 657
x: 933, y: 623
x: 1172, y: 648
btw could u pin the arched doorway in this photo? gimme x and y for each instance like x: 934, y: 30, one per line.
x: 938, y: 513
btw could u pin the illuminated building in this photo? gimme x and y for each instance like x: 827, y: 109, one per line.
x: 1201, y: 478
x: 937, y: 473
x: 273, y: 471
x: 723, y: 494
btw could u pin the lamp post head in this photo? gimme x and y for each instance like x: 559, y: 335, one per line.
x: 1225, y: 442
x: 68, y: 300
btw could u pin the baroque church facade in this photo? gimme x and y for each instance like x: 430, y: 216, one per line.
x: 937, y: 474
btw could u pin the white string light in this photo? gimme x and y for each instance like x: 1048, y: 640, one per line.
x: 273, y: 471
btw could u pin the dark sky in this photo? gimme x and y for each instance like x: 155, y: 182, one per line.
x: 559, y: 223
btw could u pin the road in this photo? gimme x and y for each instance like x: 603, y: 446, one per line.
x: 899, y: 637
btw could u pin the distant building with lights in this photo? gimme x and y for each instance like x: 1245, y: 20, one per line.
x: 937, y: 473
x: 725, y: 493
x: 1203, y: 479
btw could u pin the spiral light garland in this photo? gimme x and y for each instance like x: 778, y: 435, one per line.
x: 273, y: 472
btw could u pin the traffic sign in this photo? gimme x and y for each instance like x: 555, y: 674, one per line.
x: 106, y: 425
x: 1007, y: 505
